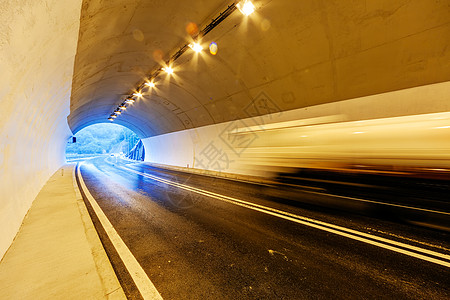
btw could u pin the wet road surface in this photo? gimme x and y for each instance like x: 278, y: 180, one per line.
x: 199, y: 237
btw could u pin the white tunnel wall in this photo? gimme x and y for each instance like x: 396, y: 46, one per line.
x: 195, y: 147
x: 38, y: 41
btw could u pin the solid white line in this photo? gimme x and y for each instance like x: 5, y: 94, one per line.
x: 140, y: 278
x: 339, y: 230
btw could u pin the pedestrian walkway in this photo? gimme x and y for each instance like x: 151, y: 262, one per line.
x: 57, y: 253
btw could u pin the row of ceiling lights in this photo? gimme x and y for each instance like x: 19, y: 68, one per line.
x: 246, y: 7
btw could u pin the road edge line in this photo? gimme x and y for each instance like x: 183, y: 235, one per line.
x: 111, y: 286
x: 143, y: 283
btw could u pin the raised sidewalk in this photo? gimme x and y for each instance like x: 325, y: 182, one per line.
x: 57, y: 253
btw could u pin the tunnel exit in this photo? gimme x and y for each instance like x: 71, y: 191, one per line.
x: 104, y: 140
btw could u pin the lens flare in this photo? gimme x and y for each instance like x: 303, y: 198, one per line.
x: 213, y: 48
x: 192, y: 29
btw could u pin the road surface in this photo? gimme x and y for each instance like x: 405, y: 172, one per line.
x: 199, y: 237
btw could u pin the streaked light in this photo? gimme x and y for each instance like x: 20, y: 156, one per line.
x: 196, y: 47
x: 118, y: 112
x: 111, y: 119
x: 122, y: 107
x: 137, y: 94
x: 358, y: 132
x: 113, y: 116
x: 246, y: 7
x: 129, y: 101
x: 213, y: 48
x: 150, y: 84
x: 441, y: 127
x: 168, y: 70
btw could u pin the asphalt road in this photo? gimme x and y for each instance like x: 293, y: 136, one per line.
x: 198, y: 237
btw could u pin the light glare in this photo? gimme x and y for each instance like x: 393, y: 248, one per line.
x: 246, y: 7
x: 150, y: 84
x: 168, y: 70
x: 196, y: 47
x: 137, y: 94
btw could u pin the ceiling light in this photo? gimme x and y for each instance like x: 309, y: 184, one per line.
x: 150, y: 84
x: 129, y: 101
x: 111, y: 119
x: 168, y: 70
x: 137, y: 94
x: 246, y: 7
x: 196, y: 47
x: 118, y: 112
x: 122, y: 107
x: 113, y: 116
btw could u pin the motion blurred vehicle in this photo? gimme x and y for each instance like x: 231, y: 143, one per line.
x: 391, y: 167
x: 419, y: 143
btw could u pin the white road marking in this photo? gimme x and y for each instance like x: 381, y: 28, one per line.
x: 377, y: 202
x: 417, y: 252
x: 140, y: 278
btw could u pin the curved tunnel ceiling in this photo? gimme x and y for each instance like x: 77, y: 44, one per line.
x: 297, y: 53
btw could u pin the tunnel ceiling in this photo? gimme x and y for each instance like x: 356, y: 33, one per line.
x: 291, y: 54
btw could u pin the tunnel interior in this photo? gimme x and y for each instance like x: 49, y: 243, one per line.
x: 69, y: 65
x: 295, y: 54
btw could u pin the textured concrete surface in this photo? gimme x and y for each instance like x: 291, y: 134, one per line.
x: 37, y: 48
x: 57, y: 253
x: 299, y: 53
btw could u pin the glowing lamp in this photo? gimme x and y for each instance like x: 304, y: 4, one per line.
x: 150, y: 84
x: 196, y: 47
x: 168, y: 70
x: 246, y: 7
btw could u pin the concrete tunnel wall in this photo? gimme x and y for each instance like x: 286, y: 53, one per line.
x: 38, y: 41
